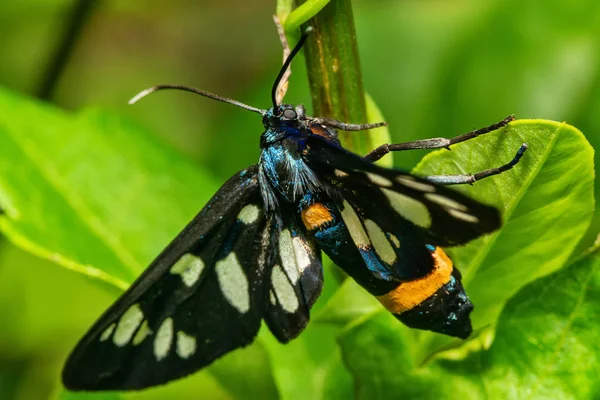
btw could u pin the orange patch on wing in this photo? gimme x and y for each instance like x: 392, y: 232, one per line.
x: 410, y: 294
x: 315, y: 216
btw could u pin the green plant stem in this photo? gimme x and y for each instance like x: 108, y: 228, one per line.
x: 334, y: 71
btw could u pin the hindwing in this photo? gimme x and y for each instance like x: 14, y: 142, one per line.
x: 296, y: 275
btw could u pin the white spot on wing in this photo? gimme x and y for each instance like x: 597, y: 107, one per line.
x: 287, y: 252
x: 163, y: 339
x: 272, y: 297
x: 464, y: 216
x: 107, y: 332
x: 357, y: 232
x: 128, y: 324
x: 445, y: 202
x: 409, y: 208
x: 142, y: 333
x: 395, y: 240
x: 249, y: 214
x: 412, y: 183
x: 380, y: 242
x: 189, y: 267
x: 233, y: 282
x: 379, y: 180
x: 284, y: 290
x: 186, y: 345
x: 340, y: 174
x: 302, y: 254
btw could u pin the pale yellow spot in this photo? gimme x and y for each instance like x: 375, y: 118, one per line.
x: 163, y: 339
x: 410, y: 294
x: 395, y: 240
x: 380, y: 242
x: 284, y: 290
x: 186, y: 345
x: 357, y: 232
x: 412, y: 183
x: 233, y: 282
x: 409, y: 208
x: 249, y: 214
x: 445, y: 201
x: 302, y: 249
x: 464, y: 216
x: 379, y: 180
x: 189, y: 267
x: 142, y: 333
x: 287, y: 253
x: 127, y: 325
x: 107, y: 332
x: 340, y: 174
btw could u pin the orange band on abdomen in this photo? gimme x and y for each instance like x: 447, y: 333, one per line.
x: 410, y: 294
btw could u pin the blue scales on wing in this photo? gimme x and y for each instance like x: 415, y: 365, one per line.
x: 391, y: 216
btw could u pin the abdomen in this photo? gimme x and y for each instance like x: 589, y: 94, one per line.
x: 434, y: 301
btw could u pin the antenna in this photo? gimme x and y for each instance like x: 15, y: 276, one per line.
x: 204, y: 93
x: 287, y: 63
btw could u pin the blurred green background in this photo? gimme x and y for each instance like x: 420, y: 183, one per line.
x: 435, y: 68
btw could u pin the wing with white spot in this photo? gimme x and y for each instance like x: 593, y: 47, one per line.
x: 443, y: 216
x: 391, y: 248
x: 296, y: 276
x: 202, y: 297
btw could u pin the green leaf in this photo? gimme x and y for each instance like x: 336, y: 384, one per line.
x: 303, y: 13
x: 96, y: 194
x: 379, y: 135
x: 309, y: 366
x: 91, y: 192
x: 64, y: 395
x: 247, y: 372
x: 350, y: 302
x: 545, y: 347
x: 547, y: 203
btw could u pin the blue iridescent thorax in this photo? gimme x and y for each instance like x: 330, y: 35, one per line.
x: 283, y: 174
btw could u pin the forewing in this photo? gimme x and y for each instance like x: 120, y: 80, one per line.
x: 203, y: 296
x: 443, y: 216
x: 296, y: 276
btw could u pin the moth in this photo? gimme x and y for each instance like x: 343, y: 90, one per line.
x: 253, y: 252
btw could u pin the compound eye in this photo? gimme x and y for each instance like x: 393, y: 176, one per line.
x: 290, y: 114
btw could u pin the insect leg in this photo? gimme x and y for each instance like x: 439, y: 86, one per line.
x: 471, y: 178
x: 435, y: 143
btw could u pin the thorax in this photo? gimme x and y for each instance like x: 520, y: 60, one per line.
x: 283, y: 173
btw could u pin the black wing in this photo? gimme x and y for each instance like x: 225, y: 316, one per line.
x: 445, y: 217
x: 203, y: 296
x: 393, y: 215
